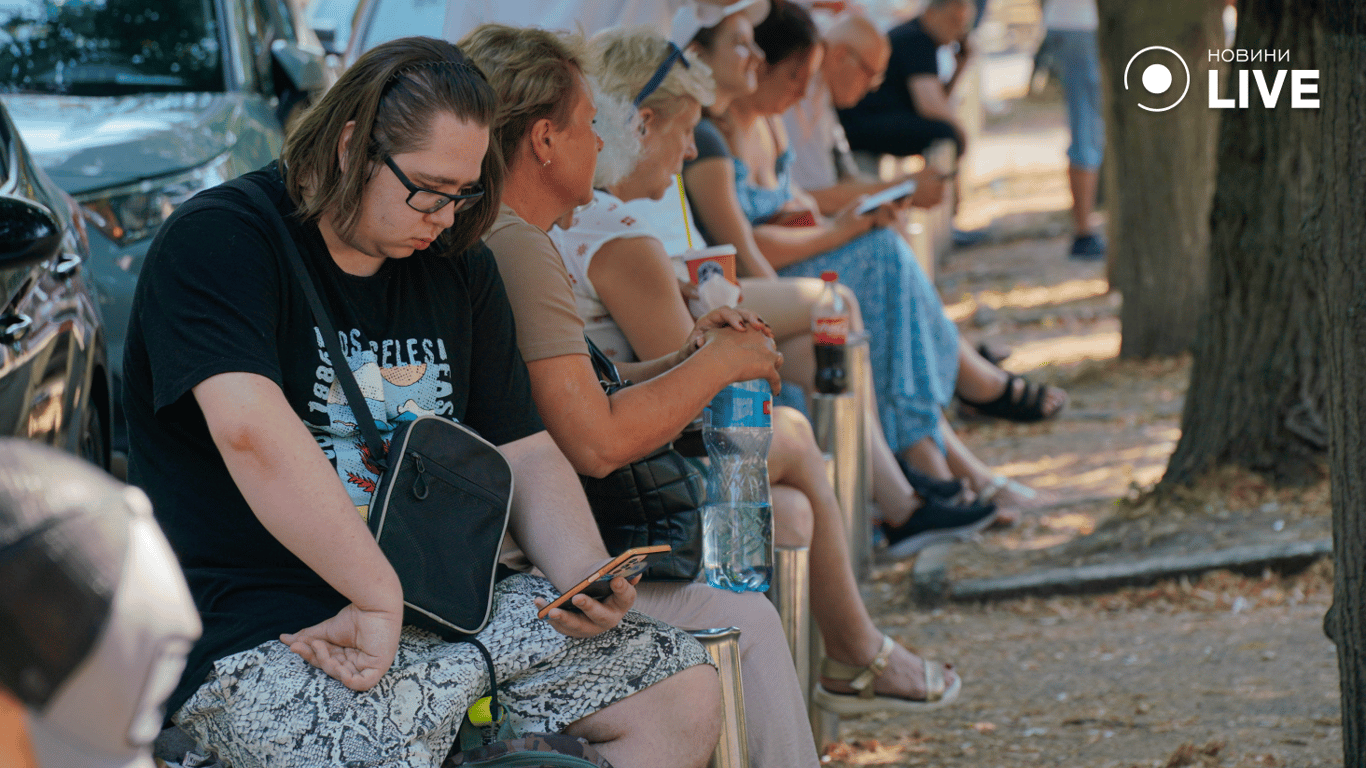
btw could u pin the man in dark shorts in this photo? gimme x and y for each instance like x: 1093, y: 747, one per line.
x: 910, y: 110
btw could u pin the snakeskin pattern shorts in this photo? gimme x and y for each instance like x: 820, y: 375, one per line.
x: 268, y: 707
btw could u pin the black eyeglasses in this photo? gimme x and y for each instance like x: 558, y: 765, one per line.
x: 429, y: 200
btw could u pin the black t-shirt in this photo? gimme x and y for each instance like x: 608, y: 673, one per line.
x: 914, y: 52
x: 427, y: 334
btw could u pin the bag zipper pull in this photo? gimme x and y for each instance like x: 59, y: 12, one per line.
x: 420, y: 482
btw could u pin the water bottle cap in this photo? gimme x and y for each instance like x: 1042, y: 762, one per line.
x: 830, y: 276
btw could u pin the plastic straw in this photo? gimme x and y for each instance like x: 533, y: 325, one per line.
x: 683, y: 200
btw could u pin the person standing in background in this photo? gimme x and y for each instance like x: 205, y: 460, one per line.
x: 1070, y: 49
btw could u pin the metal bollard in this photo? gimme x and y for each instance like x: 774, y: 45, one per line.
x: 825, y: 726
x: 732, y: 750
x: 841, y: 430
x: 791, y: 595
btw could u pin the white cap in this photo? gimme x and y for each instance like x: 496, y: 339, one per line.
x: 696, y: 16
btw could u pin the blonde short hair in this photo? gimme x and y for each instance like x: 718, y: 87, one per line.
x: 535, y: 73
x: 622, y: 60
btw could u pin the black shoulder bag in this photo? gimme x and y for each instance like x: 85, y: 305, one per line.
x: 441, y: 506
x: 656, y: 500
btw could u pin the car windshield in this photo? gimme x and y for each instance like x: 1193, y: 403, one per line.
x: 109, y: 47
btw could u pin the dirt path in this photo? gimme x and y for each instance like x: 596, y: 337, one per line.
x: 1225, y: 671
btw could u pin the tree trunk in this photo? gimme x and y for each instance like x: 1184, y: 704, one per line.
x: 1257, y: 385
x: 1159, y: 194
x: 1338, y: 266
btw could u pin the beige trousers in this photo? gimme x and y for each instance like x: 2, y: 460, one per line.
x: 775, y: 715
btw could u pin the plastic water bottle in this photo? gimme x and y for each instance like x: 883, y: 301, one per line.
x: 830, y: 322
x: 737, y: 522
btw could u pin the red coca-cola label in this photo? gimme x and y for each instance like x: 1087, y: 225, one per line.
x: 831, y: 331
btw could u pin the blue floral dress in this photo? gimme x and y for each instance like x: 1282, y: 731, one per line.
x: 913, y: 346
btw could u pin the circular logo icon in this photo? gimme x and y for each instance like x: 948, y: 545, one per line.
x: 1157, y: 77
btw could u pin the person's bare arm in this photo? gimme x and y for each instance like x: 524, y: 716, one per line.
x: 553, y: 525
x: 960, y: 61
x: 294, y: 491
x: 600, y: 434
x: 929, y: 191
x: 711, y: 189
x: 635, y: 280
x: 788, y: 245
x: 930, y: 98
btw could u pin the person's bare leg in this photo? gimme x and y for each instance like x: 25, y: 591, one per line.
x: 785, y: 304
x: 792, y: 526
x: 924, y: 455
x: 675, y: 722
x: 846, y: 627
x: 895, y: 498
x: 1009, y: 499
x: 981, y: 381
x: 1083, y: 182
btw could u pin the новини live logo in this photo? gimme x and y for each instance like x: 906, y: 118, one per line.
x: 1157, y: 78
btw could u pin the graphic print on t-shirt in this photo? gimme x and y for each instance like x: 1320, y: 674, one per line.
x: 400, y: 379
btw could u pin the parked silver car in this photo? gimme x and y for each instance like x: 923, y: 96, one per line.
x: 132, y: 106
x: 54, y: 377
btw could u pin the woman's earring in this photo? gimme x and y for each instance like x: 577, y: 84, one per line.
x: 545, y: 163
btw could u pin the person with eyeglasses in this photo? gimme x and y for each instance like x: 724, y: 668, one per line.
x: 854, y: 65
x: 258, y: 473
x: 911, y: 109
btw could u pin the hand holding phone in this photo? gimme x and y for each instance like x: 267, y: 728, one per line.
x: 889, y: 195
x: 598, y: 584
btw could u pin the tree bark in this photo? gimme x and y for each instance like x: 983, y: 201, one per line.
x: 1159, y: 194
x: 1338, y: 266
x: 1257, y: 389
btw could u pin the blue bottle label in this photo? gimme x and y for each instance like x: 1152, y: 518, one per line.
x: 735, y: 407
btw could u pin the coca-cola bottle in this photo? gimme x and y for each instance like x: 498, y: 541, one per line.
x: 830, y: 330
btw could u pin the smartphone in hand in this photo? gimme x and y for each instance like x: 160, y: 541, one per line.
x: 889, y: 195
x: 598, y: 584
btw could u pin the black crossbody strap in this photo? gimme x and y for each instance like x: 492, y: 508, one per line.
x: 340, y: 367
x: 604, y: 367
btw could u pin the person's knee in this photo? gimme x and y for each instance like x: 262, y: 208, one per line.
x: 691, y: 719
x: 793, y: 517
x: 792, y: 433
x: 676, y: 721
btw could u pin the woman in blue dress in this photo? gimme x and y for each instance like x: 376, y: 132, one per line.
x: 743, y: 194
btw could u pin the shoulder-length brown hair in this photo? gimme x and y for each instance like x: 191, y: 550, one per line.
x: 535, y: 74
x: 391, y: 94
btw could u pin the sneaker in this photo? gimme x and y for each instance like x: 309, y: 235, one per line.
x: 934, y: 522
x: 1088, y: 248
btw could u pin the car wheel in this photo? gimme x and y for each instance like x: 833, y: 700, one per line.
x: 92, y: 439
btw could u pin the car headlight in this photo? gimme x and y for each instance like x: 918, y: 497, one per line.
x: 133, y: 212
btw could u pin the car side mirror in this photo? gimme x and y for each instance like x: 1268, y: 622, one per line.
x: 303, y: 67
x: 28, y: 233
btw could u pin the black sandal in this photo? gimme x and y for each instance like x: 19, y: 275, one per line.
x: 930, y: 487
x: 1028, y: 407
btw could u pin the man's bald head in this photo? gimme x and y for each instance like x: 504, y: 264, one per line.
x: 856, y: 57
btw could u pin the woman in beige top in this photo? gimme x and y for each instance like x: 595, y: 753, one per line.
x: 545, y: 132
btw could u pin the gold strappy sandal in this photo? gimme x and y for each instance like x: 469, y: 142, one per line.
x: 864, y: 699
